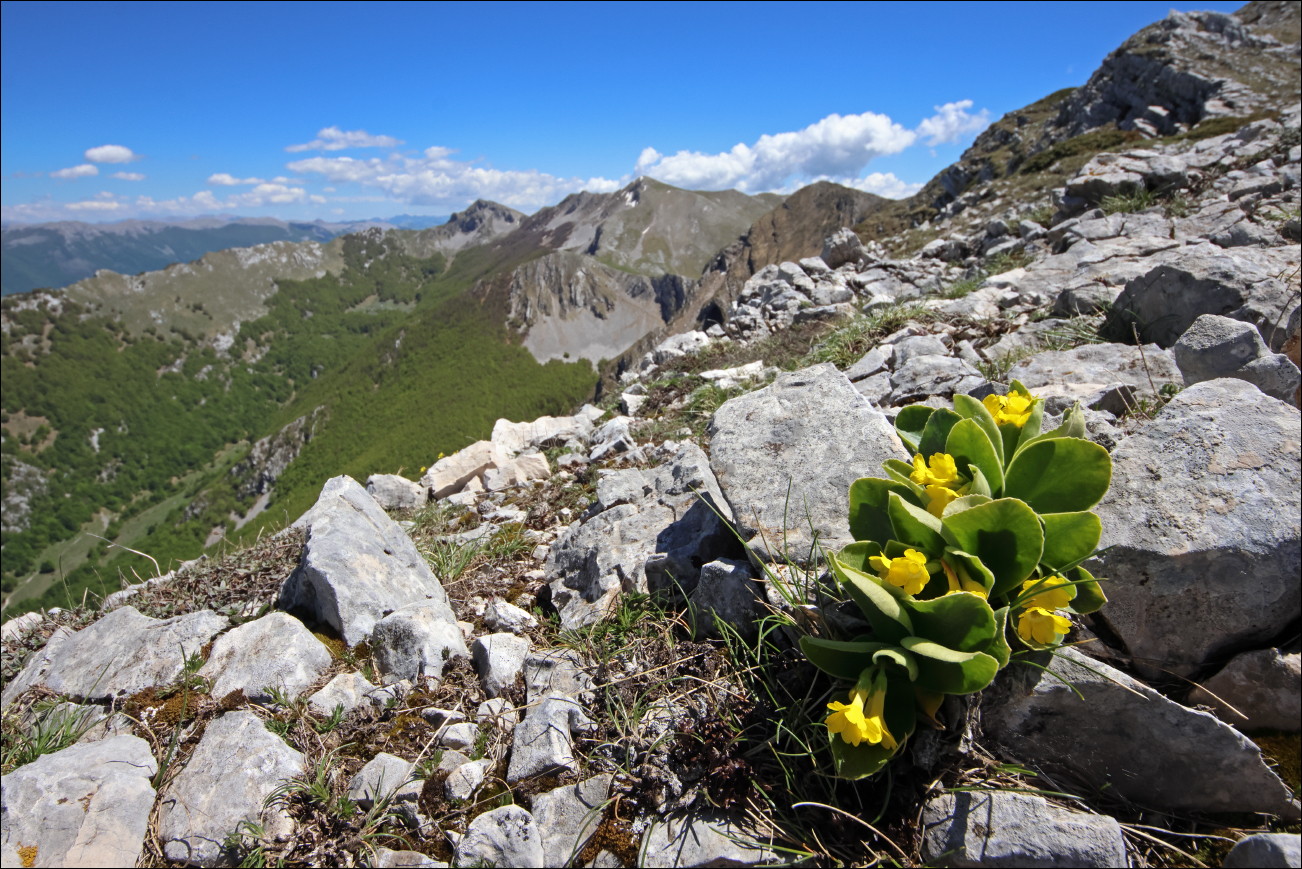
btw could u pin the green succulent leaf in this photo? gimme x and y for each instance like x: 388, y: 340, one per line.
x: 869, y: 498
x: 901, y: 473
x: 914, y: 526
x: 839, y: 658
x: 1006, y: 536
x: 969, y: 444
x: 1031, y: 430
x: 960, y: 621
x: 1069, y: 538
x: 856, y: 555
x: 910, y: 424
x: 969, y: 408
x: 937, y: 432
x: 880, y: 606
x: 1059, y: 475
x: 967, y: 502
x: 979, y: 485
x: 970, y: 567
x: 894, y: 656
x: 865, y: 759
x: 950, y: 671
x: 999, y: 648
x: 1089, y: 597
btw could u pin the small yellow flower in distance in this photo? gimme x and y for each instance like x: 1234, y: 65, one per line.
x: 422, y: 469
x: 1037, y: 624
x: 940, y: 499
x: 908, y: 572
x: 963, y: 583
x: 1048, y: 596
x: 941, y: 471
x: 440, y: 455
x: 855, y: 724
x: 1013, y: 408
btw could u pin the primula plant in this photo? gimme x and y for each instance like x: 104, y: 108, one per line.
x: 989, y: 525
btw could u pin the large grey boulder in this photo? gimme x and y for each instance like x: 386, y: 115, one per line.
x: 1264, y: 685
x: 121, y: 654
x: 417, y: 640
x: 650, y: 533
x: 702, y: 839
x: 544, y: 742
x: 503, y: 837
x: 1215, y: 347
x: 393, y: 492
x: 1011, y: 829
x: 1091, y: 371
x: 924, y: 376
x: 1125, y: 736
x: 499, y: 658
x: 1200, y: 527
x: 234, y: 769
x: 842, y: 247
x: 1266, y: 851
x: 275, y: 651
x: 785, y: 457
x: 1164, y: 302
x: 358, y: 565
x: 568, y: 816
x: 87, y: 805
x: 726, y: 598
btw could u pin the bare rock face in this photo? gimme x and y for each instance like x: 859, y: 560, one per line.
x: 785, y: 457
x: 393, y: 492
x: 1126, y: 736
x: 1265, y: 686
x: 120, y: 654
x: 702, y: 839
x: 358, y: 565
x: 87, y: 805
x: 275, y: 651
x: 1090, y: 371
x: 1011, y: 829
x: 503, y: 837
x: 269, y: 457
x: 1203, y: 523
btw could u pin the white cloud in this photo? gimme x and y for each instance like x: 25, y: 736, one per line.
x: 435, y: 179
x: 335, y: 139
x: 94, y: 205
x: 835, y: 147
x: 328, y: 189
x: 128, y: 176
x: 85, y: 170
x: 885, y: 184
x: 111, y: 154
x: 951, y: 122
x: 225, y: 179
x: 317, y: 200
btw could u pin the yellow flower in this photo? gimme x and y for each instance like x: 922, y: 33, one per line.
x: 963, y: 583
x: 1037, y: 624
x: 422, y: 469
x: 941, y: 472
x: 855, y: 724
x: 908, y: 572
x: 940, y: 499
x: 1013, y: 408
x: 1048, y: 596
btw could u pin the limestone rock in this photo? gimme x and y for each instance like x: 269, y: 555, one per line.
x: 348, y: 690
x: 504, y: 617
x: 87, y: 805
x: 497, y: 713
x: 417, y: 640
x: 808, y: 433
x: 122, y: 653
x: 462, y: 783
x: 727, y: 594
x: 386, y: 858
x: 1090, y: 371
x: 702, y: 839
x: 384, y: 776
x: 358, y: 565
x: 1220, y: 347
x: 1011, y: 829
x: 918, y: 345
x: 275, y: 651
x: 460, y: 737
x: 451, y: 473
x: 1212, y: 561
x: 1126, y: 736
x: 499, y: 658
x: 1264, y: 685
x: 503, y: 837
x: 234, y: 769
x: 873, y: 362
x: 393, y: 492
x: 568, y: 816
x: 556, y: 671
x: 1266, y: 851
x: 924, y: 376
x: 842, y: 247
x: 650, y: 534
x: 544, y: 432
x: 544, y: 741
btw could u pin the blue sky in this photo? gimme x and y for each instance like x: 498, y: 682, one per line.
x: 339, y: 111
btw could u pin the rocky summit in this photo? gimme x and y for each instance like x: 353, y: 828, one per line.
x: 577, y: 640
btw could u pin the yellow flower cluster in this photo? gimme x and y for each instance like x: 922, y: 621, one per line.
x: 908, y: 572
x: 861, y: 720
x: 1039, y: 622
x: 939, y: 476
x: 1013, y: 408
x: 963, y: 583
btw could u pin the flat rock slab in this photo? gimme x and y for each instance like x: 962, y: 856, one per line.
x: 544, y: 743
x: 499, y: 658
x: 503, y: 837
x: 417, y: 640
x: 1092, y: 368
x: 121, y: 654
x: 568, y: 816
x: 1264, y: 685
x: 87, y: 805
x: 275, y: 651
x: 358, y: 565
x: 1127, y: 737
x: 556, y: 671
x: 785, y: 457
x: 234, y: 769
x: 924, y: 376
x: 702, y: 839
x: 393, y: 492
x: 348, y: 690
x: 1203, y: 521
x: 385, y: 776
x: 1008, y: 829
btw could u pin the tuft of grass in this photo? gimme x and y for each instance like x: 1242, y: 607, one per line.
x: 844, y: 345
x: 1128, y: 203
x: 57, y: 726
